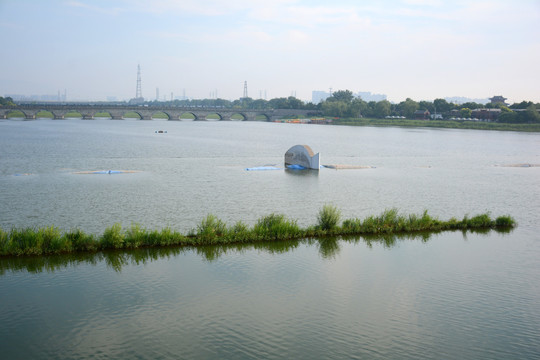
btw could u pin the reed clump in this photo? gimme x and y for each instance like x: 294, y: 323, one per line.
x: 212, y: 230
x: 328, y: 218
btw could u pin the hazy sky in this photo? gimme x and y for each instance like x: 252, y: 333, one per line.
x: 422, y: 49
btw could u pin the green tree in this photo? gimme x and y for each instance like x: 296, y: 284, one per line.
x: 342, y: 95
x: 442, y: 106
x: 522, y: 105
x: 335, y: 108
x: 408, y: 107
x: 358, y: 107
x: 7, y: 101
x: 427, y: 105
x: 531, y: 114
x: 472, y: 105
x: 465, y: 113
x: 382, y: 109
x: 295, y: 103
x: 259, y: 104
x: 508, y: 117
x: 278, y: 103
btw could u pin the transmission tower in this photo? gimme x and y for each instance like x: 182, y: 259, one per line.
x: 245, y: 90
x: 138, y: 92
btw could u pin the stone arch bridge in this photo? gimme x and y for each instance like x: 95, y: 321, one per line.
x: 59, y: 111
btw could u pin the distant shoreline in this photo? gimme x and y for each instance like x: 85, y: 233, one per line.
x: 444, y: 124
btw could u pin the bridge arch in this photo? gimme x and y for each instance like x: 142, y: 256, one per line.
x: 44, y: 114
x: 102, y: 115
x: 239, y: 116
x: 71, y: 114
x: 214, y: 116
x: 263, y: 117
x: 116, y: 111
x: 187, y: 116
x: 171, y: 116
x: 16, y: 114
x: 132, y: 115
x: 160, y: 115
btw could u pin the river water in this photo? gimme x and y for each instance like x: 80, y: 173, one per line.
x: 449, y: 295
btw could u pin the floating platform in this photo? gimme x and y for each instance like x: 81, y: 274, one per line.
x: 106, y: 172
x: 525, y: 165
x: 344, y: 167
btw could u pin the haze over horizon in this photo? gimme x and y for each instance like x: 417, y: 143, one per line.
x: 421, y: 49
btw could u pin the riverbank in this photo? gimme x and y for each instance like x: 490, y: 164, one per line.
x: 211, y: 230
x: 446, y: 124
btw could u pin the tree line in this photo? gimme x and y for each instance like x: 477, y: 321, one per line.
x: 7, y: 101
x: 344, y: 104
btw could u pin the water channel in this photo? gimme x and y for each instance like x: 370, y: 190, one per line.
x: 448, y: 295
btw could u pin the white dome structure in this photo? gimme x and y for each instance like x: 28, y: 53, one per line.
x: 302, y: 156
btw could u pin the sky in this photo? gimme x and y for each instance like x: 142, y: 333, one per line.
x: 419, y: 49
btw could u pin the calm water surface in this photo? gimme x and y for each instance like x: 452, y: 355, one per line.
x: 447, y: 295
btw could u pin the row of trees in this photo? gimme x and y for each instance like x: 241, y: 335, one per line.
x: 344, y: 104
x: 7, y: 101
x: 244, y: 103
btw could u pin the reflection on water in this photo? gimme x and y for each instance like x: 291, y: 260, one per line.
x: 302, y: 173
x: 329, y: 248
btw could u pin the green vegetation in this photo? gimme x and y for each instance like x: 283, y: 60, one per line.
x: 213, y: 117
x: 132, y: 115
x: 328, y: 218
x: 160, y: 115
x: 6, y: 101
x: 73, y: 114
x: 446, y: 124
x: 16, y: 114
x: 211, y: 231
x: 44, y: 114
x: 102, y: 115
x: 187, y: 116
x: 237, y: 117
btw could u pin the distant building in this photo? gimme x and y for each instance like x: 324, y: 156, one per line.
x: 136, y: 101
x: 486, y: 114
x: 318, y: 96
x: 462, y: 100
x: 368, y: 96
x: 421, y: 115
x: 498, y: 100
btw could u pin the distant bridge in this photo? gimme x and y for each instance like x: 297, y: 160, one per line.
x: 87, y: 111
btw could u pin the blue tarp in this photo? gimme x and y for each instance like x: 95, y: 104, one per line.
x: 107, y: 172
x: 296, y: 167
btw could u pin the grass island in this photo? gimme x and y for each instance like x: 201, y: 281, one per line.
x: 212, y: 231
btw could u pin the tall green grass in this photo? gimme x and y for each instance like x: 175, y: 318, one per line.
x: 212, y: 230
x: 328, y: 217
